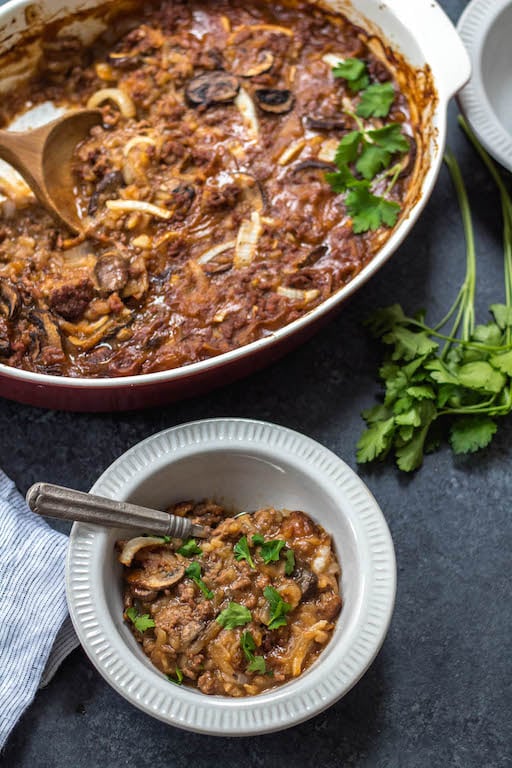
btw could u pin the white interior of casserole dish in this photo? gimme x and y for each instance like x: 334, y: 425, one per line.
x: 244, y: 465
x: 419, y: 31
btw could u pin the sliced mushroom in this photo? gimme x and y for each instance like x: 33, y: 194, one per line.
x: 161, y: 579
x: 10, y: 300
x: 306, y: 580
x: 132, y: 546
x: 147, y: 595
x: 216, y: 87
x: 276, y: 101
x: 108, y: 184
x: 111, y: 272
x: 325, y: 124
x: 5, y: 344
x: 312, y: 257
x: 308, y: 165
x: 50, y: 335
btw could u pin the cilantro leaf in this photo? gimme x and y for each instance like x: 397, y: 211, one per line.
x: 375, y: 441
x: 390, y: 138
x: 241, y: 551
x: 290, y: 562
x: 278, y: 608
x: 409, y: 344
x: 471, y: 433
x: 422, y: 392
x: 410, y: 455
x: 502, y: 315
x: 481, y: 375
x: 235, y: 615
x: 189, y: 548
x: 257, y: 665
x: 383, y: 320
x: 348, y: 148
x: 271, y: 550
x: 368, y: 211
x: 372, y: 160
x: 376, y: 100
x: 141, y: 623
x: 194, y: 572
x: 178, y: 680
x: 354, y: 72
x: 503, y: 362
x: 258, y: 539
x: 248, y: 645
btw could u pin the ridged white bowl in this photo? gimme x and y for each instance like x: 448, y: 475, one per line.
x: 243, y: 464
x: 486, y: 30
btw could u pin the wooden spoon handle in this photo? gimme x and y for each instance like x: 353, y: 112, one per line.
x: 67, y: 504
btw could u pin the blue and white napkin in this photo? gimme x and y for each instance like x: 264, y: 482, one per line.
x: 35, y: 630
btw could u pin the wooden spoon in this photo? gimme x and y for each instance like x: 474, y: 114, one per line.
x: 43, y: 157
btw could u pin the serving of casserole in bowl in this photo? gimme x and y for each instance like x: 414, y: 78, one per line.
x: 266, y: 622
x: 255, y: 164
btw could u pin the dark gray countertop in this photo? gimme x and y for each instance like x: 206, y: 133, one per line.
x: 439, y: 693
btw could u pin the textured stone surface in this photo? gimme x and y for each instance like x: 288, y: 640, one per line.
x: 439, y: 693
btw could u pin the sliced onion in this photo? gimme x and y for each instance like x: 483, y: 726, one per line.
x: 119, y: 97
x: 140, y: 206
x: 137, y: 140
x: 132, y: 546
x: 328, y: 150
x: 291, y: 152
x: 333, y: 59
x: 211, y: 253
x: 266, y: 28
x: 297, y: 295
x: 245, y: 106
x: 247, y: 240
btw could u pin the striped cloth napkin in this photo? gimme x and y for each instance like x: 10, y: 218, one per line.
x: 35, y: 630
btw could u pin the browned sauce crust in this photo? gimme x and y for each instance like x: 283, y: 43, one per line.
x: 209, y: 220
x: 188, y: 643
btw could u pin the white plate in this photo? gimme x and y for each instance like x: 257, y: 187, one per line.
x: 243, y: 464
x: 486, y: 30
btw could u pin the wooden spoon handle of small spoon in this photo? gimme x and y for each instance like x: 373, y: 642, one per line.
x: 67, y: 504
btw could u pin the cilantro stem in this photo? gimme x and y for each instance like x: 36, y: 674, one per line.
x: 466, y: 310
x: 396, y: 170
x: 358, y: 122
x: 506, y: 205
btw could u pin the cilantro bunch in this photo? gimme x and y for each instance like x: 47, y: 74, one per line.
x: 365, y: 154
x: 455, y: 373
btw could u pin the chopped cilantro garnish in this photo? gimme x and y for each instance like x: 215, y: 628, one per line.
x: 194, y: 572
x: 189, y: 548
x: 241, y: 551
x: 235, y: 615
x: 178, y: 680
x: 257, y: 539
x: 354, y: 72
x: 256, y: 663
x: 141, y: 623
x: 166, y: 539
x: 290, y: 562
x: 270, y: 550
x: 278, y: 608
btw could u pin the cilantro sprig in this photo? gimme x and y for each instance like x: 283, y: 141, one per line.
x: 364, y: 154
x: 271, y: 551
x: 278, y: 608
x: 194, y: 572
x: 455, y: 372
x: 256, y: 663
x: 140, y: 622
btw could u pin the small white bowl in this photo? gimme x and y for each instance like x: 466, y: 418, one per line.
x: 243, y: 464
x: 486, y: 30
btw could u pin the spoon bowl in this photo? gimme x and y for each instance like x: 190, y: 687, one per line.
x: 43, y: 156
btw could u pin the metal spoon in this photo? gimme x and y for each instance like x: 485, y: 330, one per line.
x: 66, y: 504
x: 43, y: 157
